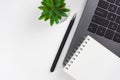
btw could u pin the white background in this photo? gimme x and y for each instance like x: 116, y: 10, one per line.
x: 28, y: 46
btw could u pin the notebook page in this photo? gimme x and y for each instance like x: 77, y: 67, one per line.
x: 95, y: 62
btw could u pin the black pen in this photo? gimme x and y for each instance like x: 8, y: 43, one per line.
x: 62, y: 44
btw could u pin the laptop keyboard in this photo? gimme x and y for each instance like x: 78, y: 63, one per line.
x: 106, y: 20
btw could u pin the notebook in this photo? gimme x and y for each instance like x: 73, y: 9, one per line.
x: 92, y: 61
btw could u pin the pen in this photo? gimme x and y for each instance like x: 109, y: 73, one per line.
x: 62, y: 44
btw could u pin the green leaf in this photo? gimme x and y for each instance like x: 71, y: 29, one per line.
x: 43, y: 8
x: 58, y: 3
x: 62, y: 1
x: 58, y: 14
x: 46, y: 18
x: 45, y: 12
x: 56, y: 19
x: 54, y: 1
x: 50, y: 13
x: 51, y: 3
x: 42, y: 17
x: 51, y: 21
x: 48, y: 5
x: 65, y: 10
x: 63, y: 13
x: 61, y: 6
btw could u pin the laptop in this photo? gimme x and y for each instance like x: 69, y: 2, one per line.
x: 101, y: 20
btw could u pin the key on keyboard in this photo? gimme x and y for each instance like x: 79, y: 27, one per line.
x: 111, y: 16
x: 112, y: 8
x: 117, y: 38
x: 118, y: 11
x: 112, y: 1
x: 101, y: 12
x: 93, y: 27
x: 101, y: 31
x: 117, y: 2
x: 112, y: 26
x: 118, y: 29
x: 118, y: 19
x: 100, y: 21
x: 103, y: 4
x: 109, y: 34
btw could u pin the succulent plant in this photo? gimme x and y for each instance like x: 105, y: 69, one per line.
x: 53, y: 10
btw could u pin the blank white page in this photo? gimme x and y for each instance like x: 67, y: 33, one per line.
x: 94, y: 62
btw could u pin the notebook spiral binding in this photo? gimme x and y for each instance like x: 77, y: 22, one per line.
x: 75, y: 54
x: 74, y: 50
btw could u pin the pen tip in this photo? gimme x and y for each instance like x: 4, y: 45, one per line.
x: 74, y: 15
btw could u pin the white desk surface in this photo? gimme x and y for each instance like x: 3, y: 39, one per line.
x: 28, y: 46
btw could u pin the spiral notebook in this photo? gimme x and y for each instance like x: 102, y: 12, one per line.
x: 92, y: 61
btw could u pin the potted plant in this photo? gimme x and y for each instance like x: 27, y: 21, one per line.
x: 53, y: 10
